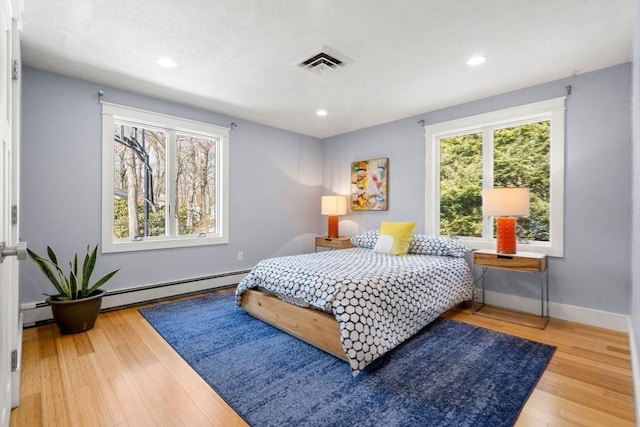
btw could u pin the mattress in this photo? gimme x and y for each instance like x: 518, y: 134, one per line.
x: 378, y: 300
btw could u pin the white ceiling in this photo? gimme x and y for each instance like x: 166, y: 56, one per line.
x: 404, y: 57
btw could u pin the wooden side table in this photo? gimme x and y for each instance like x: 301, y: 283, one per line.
x: 333, y: 242
x: 526, y: 262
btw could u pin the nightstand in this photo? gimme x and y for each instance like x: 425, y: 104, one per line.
x: 526, y: 262
x: 333, y: 242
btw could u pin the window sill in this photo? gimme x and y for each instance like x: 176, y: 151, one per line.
x: 151, y: 244
x: 536, y: 247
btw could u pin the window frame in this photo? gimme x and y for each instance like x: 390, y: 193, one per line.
x: 171, y: 124
x: 552, y: 110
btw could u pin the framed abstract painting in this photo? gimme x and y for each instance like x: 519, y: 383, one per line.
x: 369, y: 190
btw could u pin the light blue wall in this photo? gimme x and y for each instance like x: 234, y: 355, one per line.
x: 275, y: 187
x: 635, y: 300
x: 277, y: 178
x: 596, y: 269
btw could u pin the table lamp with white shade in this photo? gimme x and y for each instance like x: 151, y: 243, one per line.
x: 505, y: 204
x: 333, y: 206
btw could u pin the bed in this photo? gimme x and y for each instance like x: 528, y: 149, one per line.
x: 357, y: 303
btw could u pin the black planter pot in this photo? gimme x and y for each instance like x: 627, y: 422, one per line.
x: 78, y: 315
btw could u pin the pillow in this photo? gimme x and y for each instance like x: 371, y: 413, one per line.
x: 394, y: 237
x: 424, y: 244
x: 365, y: 240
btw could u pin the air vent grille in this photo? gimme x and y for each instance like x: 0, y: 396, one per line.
x: 320, y: 62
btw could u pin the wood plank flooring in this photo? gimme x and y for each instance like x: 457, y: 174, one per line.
x: 122, y: 373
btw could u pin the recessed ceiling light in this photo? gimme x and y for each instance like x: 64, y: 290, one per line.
x: 321, y: 113
x: 167, y: 62
x: 476, y: 60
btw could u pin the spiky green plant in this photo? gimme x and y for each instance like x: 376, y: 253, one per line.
x: 75, y: 284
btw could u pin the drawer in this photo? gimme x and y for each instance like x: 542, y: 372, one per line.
x: 336, y: 243
x: 510, y: 262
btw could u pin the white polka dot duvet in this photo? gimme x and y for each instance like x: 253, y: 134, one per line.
x: 378, y: 300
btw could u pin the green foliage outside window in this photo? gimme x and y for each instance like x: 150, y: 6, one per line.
x: 156, y: 220
x: 461, y: 185
x: 121, y: 219
x: 521, y: 159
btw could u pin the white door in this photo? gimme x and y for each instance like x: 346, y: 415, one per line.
x: 9, y: 96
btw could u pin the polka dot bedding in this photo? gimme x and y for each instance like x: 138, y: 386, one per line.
x: 378, y: 300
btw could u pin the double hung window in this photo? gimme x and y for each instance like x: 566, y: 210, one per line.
x: 164, y: 181
x: 516, y: 147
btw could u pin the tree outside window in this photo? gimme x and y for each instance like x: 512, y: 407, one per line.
x: 519, y: 147
x: 520, y: 159
x: 167, y: 178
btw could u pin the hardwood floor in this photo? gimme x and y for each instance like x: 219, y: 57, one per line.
x: 122, y: 373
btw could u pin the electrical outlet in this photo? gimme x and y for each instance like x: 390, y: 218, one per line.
x: 240, y: 255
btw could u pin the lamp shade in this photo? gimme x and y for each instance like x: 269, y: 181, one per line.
x: 334, y: 205
x: 506, y: 201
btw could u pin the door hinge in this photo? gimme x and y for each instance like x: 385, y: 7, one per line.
x: 14, y: 360
x: 14, y: 70
x: 14, y: 214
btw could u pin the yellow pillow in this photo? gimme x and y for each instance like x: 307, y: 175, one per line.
x: 394, y: 237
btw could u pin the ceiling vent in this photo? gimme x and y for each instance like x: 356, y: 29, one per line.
x: 322, y: 61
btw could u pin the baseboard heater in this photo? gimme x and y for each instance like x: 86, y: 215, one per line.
x: 39, y: 313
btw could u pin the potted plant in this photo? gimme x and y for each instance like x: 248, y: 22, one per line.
x: 77, y: 304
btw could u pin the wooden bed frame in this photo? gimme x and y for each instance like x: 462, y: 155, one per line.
x: 313, y: 326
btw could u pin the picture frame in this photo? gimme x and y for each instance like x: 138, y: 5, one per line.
x: 369, y: 185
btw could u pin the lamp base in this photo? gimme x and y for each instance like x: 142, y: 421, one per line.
x: 506, y: 241
x: 332, y: 226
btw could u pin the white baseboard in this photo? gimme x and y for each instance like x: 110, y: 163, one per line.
x: 39, y: 311
x: 35, y: 312
x: 588, y: 316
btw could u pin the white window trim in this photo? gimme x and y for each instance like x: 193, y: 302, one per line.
x: 119, y: 112
x: 552, y: 108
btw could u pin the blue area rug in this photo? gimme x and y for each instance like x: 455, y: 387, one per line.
x: 449, y: 374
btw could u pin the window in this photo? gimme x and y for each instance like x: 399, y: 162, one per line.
x: 164, y: 181
x: 516, y: 147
